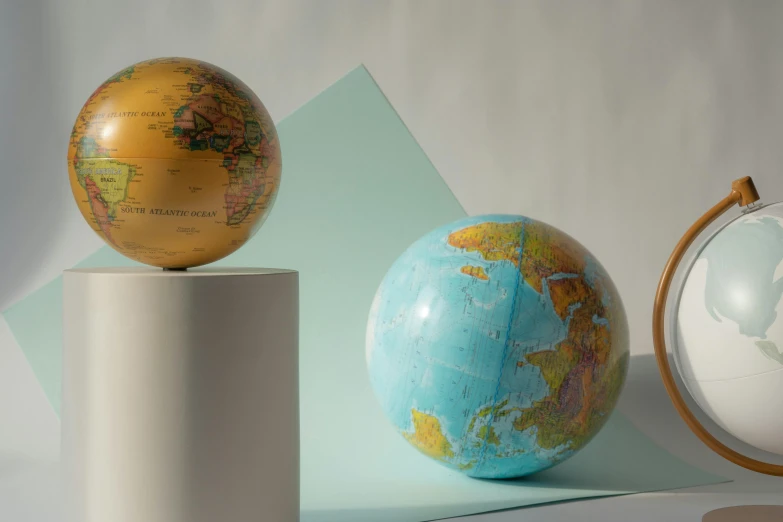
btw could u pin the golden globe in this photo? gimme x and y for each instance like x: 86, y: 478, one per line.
x: 174, y: 162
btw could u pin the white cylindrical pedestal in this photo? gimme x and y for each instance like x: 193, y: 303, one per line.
x: 180, y: 395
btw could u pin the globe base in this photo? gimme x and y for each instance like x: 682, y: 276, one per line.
x: 761, y: 513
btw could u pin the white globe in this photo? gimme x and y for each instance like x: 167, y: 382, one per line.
x: 729, y: 328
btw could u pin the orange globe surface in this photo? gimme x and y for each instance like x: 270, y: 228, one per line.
x: 174, y: 162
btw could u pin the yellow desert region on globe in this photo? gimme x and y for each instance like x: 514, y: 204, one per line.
x: 174, y: 162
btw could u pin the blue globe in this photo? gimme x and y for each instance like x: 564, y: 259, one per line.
x: 497, y: 345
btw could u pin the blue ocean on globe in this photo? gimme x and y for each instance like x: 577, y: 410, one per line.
x: 483, y: 371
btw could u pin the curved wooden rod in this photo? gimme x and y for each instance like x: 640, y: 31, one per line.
x: 743, y: 192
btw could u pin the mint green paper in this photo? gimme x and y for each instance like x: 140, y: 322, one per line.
x: 356, y: 191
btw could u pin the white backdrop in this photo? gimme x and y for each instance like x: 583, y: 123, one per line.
x: 619, y: 122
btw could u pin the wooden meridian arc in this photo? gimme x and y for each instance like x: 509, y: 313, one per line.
x: 743, y: 193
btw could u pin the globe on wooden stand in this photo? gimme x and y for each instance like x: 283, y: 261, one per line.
x: 728, y: 334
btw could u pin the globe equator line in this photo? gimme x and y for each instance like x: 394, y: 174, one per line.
x: 734, y: 378
x: 518, y: 280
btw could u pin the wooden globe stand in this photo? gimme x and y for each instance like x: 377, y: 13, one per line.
x: 743, y: 193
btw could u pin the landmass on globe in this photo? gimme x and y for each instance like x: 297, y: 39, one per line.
x: 497, y: 346
x: 475, y: 271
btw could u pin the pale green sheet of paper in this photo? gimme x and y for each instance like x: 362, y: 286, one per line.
x: 356, y: 191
